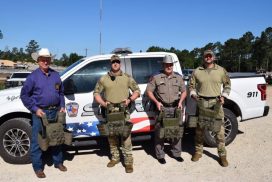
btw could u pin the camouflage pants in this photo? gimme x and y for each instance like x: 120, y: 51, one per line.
x: 126, y: 148
x: 126, y: 145
x: 220, y: 140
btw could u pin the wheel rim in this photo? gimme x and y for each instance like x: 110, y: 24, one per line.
x: 228, y: 128
x: 16, y: 142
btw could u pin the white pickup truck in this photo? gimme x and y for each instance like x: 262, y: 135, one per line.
x: 247, y: 100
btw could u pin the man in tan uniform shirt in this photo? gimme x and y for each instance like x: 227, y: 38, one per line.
x: 205, y: 87
x: 115, y: 85
x: 163, y: 89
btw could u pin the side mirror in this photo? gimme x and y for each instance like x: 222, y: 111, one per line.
x: 69, y: 87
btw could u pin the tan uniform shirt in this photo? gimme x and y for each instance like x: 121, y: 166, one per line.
x: 166, y: 89
x: 207, y: 82
x: 116, y: 90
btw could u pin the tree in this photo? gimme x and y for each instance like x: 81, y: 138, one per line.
x: 32, y: 47
x: 245, y: 49
x: 262, y: 50
x: 230, y: 55
x: 155, y: 49
x: 74, y: 57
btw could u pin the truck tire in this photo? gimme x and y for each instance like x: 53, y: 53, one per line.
x: 231, y: 130
x: 15, y: 137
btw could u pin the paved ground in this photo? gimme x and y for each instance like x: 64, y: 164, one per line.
x: 249, y: 156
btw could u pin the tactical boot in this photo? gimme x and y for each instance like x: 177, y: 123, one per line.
x: 223, y: 161
x: 112, y: 163
x: 196, y: 157
x: 129, y: 168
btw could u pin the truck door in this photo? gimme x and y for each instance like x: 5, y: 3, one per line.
x: 141, y: 69
x: 82, y: 111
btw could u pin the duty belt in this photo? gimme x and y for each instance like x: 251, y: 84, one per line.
x: 208, y: 98
x: 173, y: 104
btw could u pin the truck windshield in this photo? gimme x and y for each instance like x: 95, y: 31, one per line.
x: 71, y: 66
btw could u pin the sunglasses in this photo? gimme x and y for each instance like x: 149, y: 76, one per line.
x: 115, y: 61
x: 208, y: 56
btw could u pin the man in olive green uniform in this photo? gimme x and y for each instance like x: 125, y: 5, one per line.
x: 205, y: 88
x: 163, y: 89
x: 115, y: 85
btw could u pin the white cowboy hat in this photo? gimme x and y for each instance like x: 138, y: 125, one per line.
x: 43, y: 52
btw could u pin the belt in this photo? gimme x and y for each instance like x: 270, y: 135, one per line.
x: 50, y: 107
x: 174, y: 104
x: 208, y: 98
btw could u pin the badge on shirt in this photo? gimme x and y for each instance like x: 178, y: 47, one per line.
x: 57, y: 86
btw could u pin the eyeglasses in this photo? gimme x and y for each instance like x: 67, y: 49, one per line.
x: 44, y: 59
x: 115, y: 61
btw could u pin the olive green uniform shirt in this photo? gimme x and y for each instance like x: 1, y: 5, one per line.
x: 166, y: 88
x: 207, y: 82
x: 116, y: 90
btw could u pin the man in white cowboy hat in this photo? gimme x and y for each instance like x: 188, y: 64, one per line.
x: 42, y: 94
x: 163, y: 89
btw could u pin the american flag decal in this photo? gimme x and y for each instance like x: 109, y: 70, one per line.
x: 89, y: 129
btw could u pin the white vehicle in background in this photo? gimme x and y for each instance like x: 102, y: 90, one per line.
x: 21, y: 66
x: 247, y: 100
x: 16, y: 79
x: 187, y: 73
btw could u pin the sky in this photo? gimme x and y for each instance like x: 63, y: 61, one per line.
x: 75, y: 26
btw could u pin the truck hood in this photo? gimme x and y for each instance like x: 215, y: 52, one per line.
x: 9, y: 95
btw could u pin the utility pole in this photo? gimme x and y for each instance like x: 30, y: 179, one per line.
x: 1, y: 35
x: 86, y: 52
x: 100, y: 36
x: 239, y: 62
